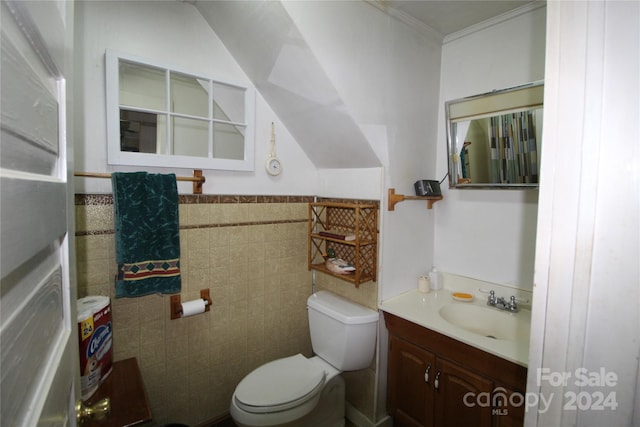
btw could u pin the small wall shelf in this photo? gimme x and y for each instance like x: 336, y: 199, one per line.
x: 357, y: 219
x: 397, y: 198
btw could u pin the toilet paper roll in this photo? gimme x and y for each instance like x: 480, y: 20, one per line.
x: 194, y: 307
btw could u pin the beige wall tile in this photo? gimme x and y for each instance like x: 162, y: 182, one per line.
x: 236, y: 212
x: 198, y: 214
x: 196, y: 239
x: 219, y: 214
x: 258, y: 280
x: 219, y: 237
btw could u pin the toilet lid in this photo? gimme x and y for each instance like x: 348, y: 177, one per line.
x: 280, y: 385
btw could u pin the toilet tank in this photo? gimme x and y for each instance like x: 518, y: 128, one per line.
x: 343, y: 333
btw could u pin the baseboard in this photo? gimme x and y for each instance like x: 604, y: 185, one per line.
x: 221, y: 421
x: 353, y: 415
x: 359, y: 419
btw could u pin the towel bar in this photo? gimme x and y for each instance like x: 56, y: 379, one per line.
x: 198, y: 179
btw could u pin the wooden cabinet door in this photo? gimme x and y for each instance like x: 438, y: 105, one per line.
x: 458, y: 398
x: 505, y: 414
x: 410, y: 384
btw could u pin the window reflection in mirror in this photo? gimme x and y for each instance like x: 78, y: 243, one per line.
x: 138, y: 131
x: 141, y: 86
x: 228, y: 141
x: 159, y: 116
x: 493, y: 139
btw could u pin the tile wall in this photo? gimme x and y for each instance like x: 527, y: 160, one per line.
x: 251, y: 252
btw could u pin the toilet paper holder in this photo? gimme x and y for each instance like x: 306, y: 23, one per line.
x: 176, y: 303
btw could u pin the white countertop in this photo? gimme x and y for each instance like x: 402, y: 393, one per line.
x: 423, y: 309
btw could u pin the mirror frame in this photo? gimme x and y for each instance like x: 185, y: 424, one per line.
x: 115, y: 156
x: 514, y: 99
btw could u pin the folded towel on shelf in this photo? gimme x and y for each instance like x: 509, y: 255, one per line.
x: 147, y: 233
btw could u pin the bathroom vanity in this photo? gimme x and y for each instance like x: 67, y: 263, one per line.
x: 445, y: 372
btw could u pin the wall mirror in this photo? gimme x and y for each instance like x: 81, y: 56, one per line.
x: 162, y: 116
x: 493, y: 139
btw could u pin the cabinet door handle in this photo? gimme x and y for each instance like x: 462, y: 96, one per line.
x: 426, y: 374
x: 436, y: 382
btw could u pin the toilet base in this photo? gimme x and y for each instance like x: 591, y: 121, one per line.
x: 329, y: 412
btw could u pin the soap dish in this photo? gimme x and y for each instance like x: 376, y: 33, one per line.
x: 461, y: 296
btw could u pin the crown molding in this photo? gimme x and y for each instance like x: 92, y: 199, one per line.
x: 529, y: 7
x: 406, y: 19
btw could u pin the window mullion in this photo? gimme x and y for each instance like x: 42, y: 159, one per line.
x: 169, y: 127
x: 229, y: 120
x: 210, y: 141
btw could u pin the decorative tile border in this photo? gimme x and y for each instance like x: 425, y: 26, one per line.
x: 192, y: 199
x: 353, y: 201
x: 239, y: 224
x: 94, y: 233
x: 191, y: 227
x: 189, y: 199
x: 93, y: 199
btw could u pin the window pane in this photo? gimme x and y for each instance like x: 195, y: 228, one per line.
x: 228, y: 141
x: 142, y: 86
x: 138, y: 131
x: 228, y: 103
x: 190, y: 137
x: 189, y: 95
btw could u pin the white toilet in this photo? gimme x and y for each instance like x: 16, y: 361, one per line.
x: 296, y: 391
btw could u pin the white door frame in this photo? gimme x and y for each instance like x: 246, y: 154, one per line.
x: 585, y: 316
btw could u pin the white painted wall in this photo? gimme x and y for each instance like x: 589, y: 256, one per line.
x: 489, y: 234
x: 351, y: 183
x: 387, y: 74
x: 266, y: 42
x: 172, y: 33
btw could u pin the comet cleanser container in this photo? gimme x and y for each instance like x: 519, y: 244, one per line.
x: 96, y: 338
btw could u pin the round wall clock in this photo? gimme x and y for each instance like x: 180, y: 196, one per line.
x: 273, y: 164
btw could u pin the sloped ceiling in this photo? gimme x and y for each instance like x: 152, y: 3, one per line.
x: 265, y: 41
x: 267, y: 45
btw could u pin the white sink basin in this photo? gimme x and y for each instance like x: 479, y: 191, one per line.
x: 486, y: 321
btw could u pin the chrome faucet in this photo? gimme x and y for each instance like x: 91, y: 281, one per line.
x: 501, y: 303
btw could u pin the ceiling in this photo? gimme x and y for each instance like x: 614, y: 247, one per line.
x: 449, y: 16
x: 266, y: 42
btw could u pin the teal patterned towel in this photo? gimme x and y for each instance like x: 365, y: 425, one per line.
x: 147, y: 233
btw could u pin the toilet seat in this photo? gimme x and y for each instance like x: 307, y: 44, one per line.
x: 280, y: 385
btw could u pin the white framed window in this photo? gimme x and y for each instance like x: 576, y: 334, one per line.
x: 159, y: 115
